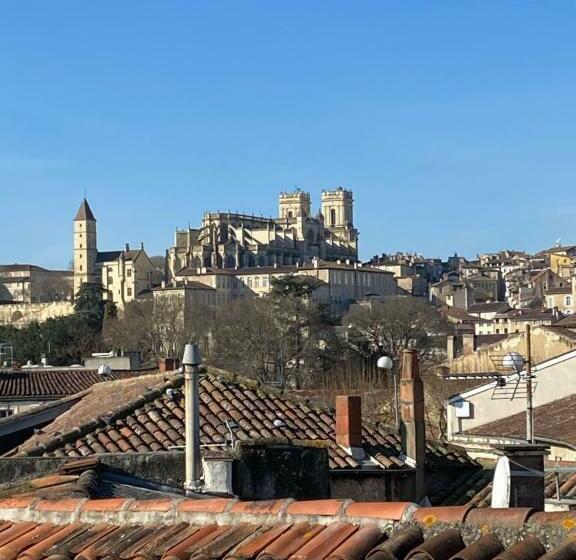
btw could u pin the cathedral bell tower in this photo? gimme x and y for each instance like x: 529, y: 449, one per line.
x: 85, y: 247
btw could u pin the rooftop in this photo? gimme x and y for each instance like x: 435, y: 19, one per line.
x: 490, y: 307
x: 140, y: 415
x: 277, y: 530
x: 84, y: 212
x: 51, y: 383
x: 552, y: 422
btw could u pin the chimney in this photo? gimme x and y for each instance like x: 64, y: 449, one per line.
x: 127, y: 246
x: 468, y: 344
x: 519, y: 476
x: 142, y: 245
x: 168, y: 364
x: 349, y: 423
x: 412, y: 425
x: 451, y: 348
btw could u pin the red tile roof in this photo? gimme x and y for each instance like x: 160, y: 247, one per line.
x: 475, y: 488
x: 154, y: 421
x: 160, y: 529
x: 51, y: 383
x: 553, y: 421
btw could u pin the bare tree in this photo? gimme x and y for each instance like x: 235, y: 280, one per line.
x: 389, y: 327
x: 159, y: 328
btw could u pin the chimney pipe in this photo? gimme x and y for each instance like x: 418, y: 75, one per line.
x: 412, y: 424
x: 349, y: 421
x: 127, y: 246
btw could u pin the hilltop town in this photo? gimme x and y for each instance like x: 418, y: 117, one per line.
x: 378, y: 366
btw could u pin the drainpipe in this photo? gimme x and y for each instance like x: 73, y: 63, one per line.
x: 191, y: 362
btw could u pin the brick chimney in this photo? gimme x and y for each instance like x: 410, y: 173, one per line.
x: 349, y: 422
x: 168, y: 364
x: 412, y: 425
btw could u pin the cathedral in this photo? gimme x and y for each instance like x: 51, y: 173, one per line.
x: 227, y: 240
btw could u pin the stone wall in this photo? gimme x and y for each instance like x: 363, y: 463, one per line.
x: 265, y: 471
x: 21, y: 314
x: 546, y: 343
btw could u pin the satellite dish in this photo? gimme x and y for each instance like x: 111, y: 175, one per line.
x: 501, y: 484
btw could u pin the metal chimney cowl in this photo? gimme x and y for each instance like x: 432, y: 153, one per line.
x: 192, y: 355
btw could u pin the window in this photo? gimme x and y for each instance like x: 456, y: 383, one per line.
x: 332, y: 217
x: 257, y: 282
x: 5, y: 412
x: 129, y: 292
x: 129, y: 273
x: 568, y: 300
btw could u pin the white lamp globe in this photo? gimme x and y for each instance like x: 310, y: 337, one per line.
x: 385, y: 363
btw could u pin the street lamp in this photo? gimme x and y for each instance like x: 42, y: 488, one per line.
x: 191, y: 361
x: 385, y: 363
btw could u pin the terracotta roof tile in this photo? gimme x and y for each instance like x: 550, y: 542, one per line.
x: 350, y: 532
x: 51, y: 383
x: 554, y: 421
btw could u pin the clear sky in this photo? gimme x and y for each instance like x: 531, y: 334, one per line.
x: 454, y: 122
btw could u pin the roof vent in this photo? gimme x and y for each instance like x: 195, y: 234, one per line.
x: 105, y: 370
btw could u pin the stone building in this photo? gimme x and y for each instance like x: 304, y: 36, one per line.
x: 232, y: 240
x: 124, y: 275
x: 339, y: 284
x: 26, y: 283
x: 31, y: 293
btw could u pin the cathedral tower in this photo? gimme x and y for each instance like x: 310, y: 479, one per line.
x: 294, y: 205
x: 338, y: 208
x: 85, y: 247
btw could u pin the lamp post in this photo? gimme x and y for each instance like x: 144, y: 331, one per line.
x: 191, y: 362
x: 386, y: 364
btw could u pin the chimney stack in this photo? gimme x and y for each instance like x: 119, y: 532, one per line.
x: 127, y: 247
x: 519, y: 477
x: 349, y: 422
x: 412, y: 425
x: 468, y: 344
x: 451, y: 348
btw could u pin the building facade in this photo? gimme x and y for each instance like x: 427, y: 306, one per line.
x: 232, y: 240
x: 339, y: 284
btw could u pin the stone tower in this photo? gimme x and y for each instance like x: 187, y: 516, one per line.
x: 338, y: 208
x: 85, y: 247
x: 294, y: 205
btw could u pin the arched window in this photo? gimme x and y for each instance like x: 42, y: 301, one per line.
x: 290, y: 214
x: 333, y: 217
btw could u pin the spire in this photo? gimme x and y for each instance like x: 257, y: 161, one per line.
x: 84, y: 213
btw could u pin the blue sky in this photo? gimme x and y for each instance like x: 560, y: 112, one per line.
x: 453, y: 122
